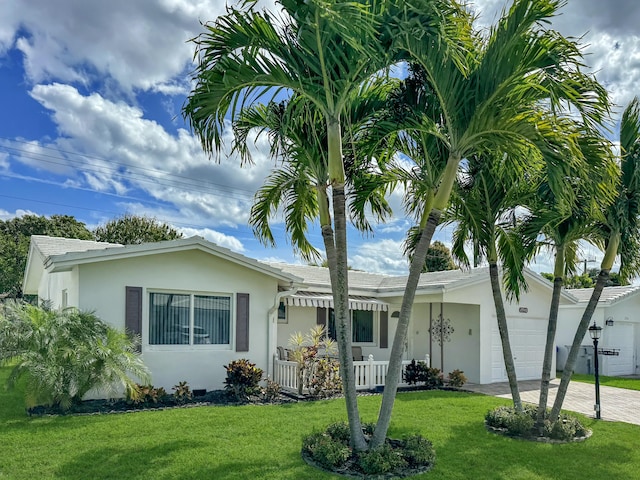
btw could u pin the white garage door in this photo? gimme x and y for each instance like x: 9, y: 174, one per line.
x: 527, y: 337
x: 619, y: 336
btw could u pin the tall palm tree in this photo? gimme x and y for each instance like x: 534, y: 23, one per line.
x: 618, y: 234
x: 490, y: 100
x: 561, y: 226
x: 321, y: 51
x: 484, y: 208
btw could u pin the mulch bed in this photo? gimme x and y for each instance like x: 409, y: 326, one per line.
x: 211, y: 398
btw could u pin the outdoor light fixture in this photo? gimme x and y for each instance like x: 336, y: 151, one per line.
x: 395, y: 314
x: 595, y: 331
x: 609, y: 322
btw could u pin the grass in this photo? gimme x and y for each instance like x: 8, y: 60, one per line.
x: 620, y: 382
x: 264, y: 442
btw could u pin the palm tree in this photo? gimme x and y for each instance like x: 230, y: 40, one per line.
x: 563, y: 226
x: 484, y: 210
x: 64, y: 354
x: 322, y: 52
x: 489, y: 100
x: 618, y: 234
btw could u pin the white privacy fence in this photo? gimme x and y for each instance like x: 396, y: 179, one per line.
x: 369, y: 373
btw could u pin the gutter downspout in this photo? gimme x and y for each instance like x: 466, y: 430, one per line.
x: 272, y: 322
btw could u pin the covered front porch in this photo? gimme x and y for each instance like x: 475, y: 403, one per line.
x: 370, y: 374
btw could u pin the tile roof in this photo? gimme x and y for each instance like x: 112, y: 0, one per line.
x: 49, y: 246
x: 377, y: 282
x: 609, y: 294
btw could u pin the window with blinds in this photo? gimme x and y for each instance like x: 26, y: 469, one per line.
x: 188, y: 319
x: 362, y: 326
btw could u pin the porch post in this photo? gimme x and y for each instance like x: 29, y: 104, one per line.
x: 370, y: 376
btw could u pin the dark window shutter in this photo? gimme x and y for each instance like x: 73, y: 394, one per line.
x: 242, y: 322
x: 384, y: 329
x: 133, y: 311
x: 321, y: 316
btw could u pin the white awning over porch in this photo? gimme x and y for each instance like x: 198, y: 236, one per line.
x: 319, y: 299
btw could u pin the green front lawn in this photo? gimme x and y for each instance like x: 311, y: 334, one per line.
x: 620, y: 382
x: 264, y: 442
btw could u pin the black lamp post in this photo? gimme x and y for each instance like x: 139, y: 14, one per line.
x: 595, y: 332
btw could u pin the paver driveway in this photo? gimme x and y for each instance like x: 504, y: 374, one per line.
x: 616, y: 404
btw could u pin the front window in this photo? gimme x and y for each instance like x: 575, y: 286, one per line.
x: 361, y: 325
x: 185, y: 319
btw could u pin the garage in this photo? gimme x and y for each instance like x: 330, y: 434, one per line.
x: 619, y: 338
x: 527, y: 337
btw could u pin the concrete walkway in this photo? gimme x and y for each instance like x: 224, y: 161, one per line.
x: 617, y: 404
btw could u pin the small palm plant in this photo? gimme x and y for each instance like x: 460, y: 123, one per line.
x: 63, y: 354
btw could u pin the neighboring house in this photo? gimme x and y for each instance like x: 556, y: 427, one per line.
x: 198, y: 306
x: 618, y: 313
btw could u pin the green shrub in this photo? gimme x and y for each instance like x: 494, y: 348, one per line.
x: 146, y: 395
x: 381, y: 460
x: 339, y: 431
x: 498, y: 417
x: 566, y: 428
x: 520, y: 424
x: 418, y: 451
x: 324, y: 377
x: 412, y: 372
x: 432, y: 377
x: 457, y: 378
x: 271, y: 390
x: 182, y: 392
x: 326, y: 451
x: 65, y: 353
x: 243, y: 379
x: 368, y: 428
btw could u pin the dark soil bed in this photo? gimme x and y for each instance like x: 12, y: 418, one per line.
x: 211, y: 398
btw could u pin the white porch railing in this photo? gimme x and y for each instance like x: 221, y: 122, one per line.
x: 369, y: 373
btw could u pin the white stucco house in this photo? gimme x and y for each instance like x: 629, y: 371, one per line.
x: 198, y: 306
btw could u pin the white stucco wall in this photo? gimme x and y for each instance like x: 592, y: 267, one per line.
x: 52, y: 285
x: 623, y: 334
x: 102, y: 288
x: 536, y: 301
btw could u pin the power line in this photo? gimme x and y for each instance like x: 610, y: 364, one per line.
x: 102, y: 159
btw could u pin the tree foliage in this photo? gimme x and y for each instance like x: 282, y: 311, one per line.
x: 438, y: 258
x: 62, y: 354
x: 15, y: 235
x: 134, y: 229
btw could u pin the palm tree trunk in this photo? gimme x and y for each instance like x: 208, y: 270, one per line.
x: 577, y: 341
x: 551, y: 339
x: 501, y: 317
x: 336, y: 246
x: 610, y: 254
x: 395, y: 359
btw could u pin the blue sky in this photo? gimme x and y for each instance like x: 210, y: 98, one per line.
x: 90, y: 124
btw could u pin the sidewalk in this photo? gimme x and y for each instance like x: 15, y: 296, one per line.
x: 617, y: 404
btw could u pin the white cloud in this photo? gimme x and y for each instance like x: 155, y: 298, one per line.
x: 6, y: 215
x: 118, y: 150
x: 141, y: 44
x: 380, y: 256
x: 218, y: 238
